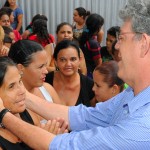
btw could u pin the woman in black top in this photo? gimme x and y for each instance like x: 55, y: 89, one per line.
x: 72, y: 87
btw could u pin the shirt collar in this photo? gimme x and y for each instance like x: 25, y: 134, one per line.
x: 139, y: 100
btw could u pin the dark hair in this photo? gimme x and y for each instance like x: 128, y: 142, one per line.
x: 82, y: 12
x: 109, y: 71
x: 40, y: 29
x: 21, y: 52
x: 113, y: 30
x: 3, y: 13
x: 94, y: 23
x: 65, y: 44
x: 7, y: 30
x: 6, y: 4
x: 4, y: 63
x: 61, y: 25
x: 37, y: 16
x: 8, y: 10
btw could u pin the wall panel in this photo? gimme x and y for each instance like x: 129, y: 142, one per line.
x: 58, y: 11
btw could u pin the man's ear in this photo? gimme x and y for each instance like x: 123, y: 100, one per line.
x: 145, y: 45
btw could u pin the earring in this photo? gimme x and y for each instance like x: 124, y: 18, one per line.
x: 57, y: 68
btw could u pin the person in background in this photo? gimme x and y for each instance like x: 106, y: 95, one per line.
x: 72, y: 87
x: 116, y: 57
x: 107, y: 84
x: 115, y: 52
x: 18, y: 15
x: 106, y: 51
x: 89, y: 44
x: 64, y: 31
x: 29, y: 29
x: 122, y: 122
x: 9, y: 12
x: 79, y: 18
x: 5, y: 21
x: 40, y: 34
x: 3, y: 49
x: 13, y: 94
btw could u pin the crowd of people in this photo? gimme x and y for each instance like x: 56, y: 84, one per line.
x: 69, y: 92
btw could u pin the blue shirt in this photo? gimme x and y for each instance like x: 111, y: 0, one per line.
x: 122, y: 123
x: 18, y: 11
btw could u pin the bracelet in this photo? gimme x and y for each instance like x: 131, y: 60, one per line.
x: 2, y: 114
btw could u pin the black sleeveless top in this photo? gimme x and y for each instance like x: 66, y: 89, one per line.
x: 7, y: 145
x: 86, y: 94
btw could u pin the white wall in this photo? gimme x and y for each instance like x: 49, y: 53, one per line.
x: 59, y: 11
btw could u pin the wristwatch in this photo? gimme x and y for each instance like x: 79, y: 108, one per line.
x: 2, y: 114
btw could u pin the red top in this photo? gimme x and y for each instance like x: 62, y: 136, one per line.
x: 43, y: 43
x: 17, y: 35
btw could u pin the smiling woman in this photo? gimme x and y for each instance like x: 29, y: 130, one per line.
x: 72, y: 87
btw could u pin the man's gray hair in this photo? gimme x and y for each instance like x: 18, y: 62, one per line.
x: 139, y: 13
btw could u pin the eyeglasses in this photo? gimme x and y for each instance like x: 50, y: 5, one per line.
x: 118, y: 35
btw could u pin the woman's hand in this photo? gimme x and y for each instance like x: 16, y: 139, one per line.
x: 55, y: 126
x: 4, y: 51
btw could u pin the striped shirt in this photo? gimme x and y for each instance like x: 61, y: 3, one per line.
x: 122, y: 123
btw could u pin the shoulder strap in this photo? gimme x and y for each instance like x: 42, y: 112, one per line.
x: 26, y: 117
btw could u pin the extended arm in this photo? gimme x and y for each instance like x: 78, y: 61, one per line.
x: 45, y: 109
x: 19, y: 25
x: 30, y: 134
